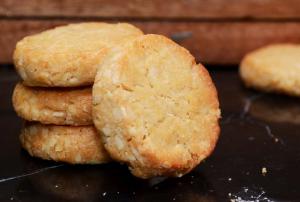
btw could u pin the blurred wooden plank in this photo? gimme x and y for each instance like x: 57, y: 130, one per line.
x: 197, y: 9
x: 210, y: 42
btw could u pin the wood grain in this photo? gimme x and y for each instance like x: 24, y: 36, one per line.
x: 195, y: 9
x: 210, y: 42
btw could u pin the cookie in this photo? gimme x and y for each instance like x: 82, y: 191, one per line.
x: 158, y: 110
x: 70, y: 144
x: 60, y: 106
x: 274, y: 68
x: 68, y: 56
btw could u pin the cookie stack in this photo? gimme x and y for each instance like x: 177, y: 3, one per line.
x: 58, y: 67
x: 153, y: 107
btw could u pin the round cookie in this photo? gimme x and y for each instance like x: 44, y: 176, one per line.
x: 70, y: 144
x: 67, y: 56
x: 158, y: 110
x: 273, y: 68
x: 60, y: 106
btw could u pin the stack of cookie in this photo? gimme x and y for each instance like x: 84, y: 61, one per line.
x: 153, y: 107
x: 58, y: 67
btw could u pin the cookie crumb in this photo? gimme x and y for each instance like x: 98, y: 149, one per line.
x: 264, y: 171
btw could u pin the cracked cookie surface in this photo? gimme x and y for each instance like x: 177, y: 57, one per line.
x: 68, y: 56
x: 158, y: 110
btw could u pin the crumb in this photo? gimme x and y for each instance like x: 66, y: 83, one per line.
x: 11, y: 198
x: 264, y: 170
x: 104, y: 194
x: 56, y: 186
x: 229, y: 194
x: 229, y: 179
x: 86, y: 185
x: 174, y: 199
x: 276, y: 139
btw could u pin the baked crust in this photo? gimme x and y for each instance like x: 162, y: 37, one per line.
x: 273, y: 68
x: 158, y: 110
x: 70, y: 144
x: 68, y: 56
x: 60, y: 106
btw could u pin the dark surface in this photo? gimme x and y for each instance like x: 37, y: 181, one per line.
x: 258, y: 131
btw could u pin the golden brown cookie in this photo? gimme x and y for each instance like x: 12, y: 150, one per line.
x: 68, y: 56
x: 60, y: 106
x: 158, y: 110
x: 273, y: 68
x: 70, y: 144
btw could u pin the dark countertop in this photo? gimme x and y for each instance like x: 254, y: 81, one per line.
x: 259, y: 131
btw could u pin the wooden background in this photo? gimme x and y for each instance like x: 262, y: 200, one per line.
x: 215, y: 31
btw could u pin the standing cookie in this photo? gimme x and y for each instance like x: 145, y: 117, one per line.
x: 273, y: 68
x: 68, y: 56
x: 158, y: 110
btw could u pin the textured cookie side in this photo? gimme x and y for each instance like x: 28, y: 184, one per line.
x: 60, y: 106
x: 70, y: 144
